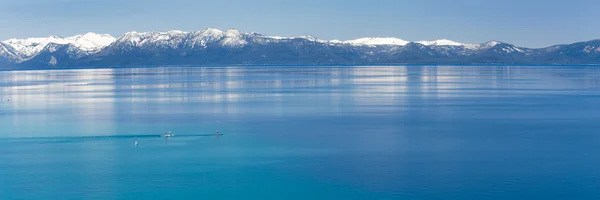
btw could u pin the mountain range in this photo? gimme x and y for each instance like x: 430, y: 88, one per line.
x: 217, y: 47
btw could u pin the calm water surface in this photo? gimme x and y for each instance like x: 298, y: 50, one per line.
x: 373, y: 132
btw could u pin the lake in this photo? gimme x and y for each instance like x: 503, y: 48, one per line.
x: 301, y: 132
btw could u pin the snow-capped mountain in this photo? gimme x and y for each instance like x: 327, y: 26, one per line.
x: 27, y: 48
x: 213, y: 46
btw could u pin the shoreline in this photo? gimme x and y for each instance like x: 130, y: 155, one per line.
x: 299, y: 65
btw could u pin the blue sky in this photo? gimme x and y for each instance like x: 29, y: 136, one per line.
x: 530, y: 23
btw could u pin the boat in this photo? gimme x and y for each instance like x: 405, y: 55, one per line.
x: 168, y: 134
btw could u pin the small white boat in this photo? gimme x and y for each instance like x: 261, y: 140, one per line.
x: 168, y: 134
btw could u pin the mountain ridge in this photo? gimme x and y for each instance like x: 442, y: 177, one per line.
x: 214, y: 46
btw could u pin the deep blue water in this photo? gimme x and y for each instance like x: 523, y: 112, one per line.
x: 302, y: 132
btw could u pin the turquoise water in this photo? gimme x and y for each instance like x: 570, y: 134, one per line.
x: 301, y: 132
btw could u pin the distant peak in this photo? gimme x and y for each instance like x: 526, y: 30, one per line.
x: 93, y: 34
x: 309, y: 37
x: 233, y: 32
x: 440, y: 42
x: 493, y: 43
x: 212, y: 30
x: 377, y: 41
x: 131, y: 33
x: 176, y: 32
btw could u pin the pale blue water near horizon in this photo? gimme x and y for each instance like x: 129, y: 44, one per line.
x: 301, y: 132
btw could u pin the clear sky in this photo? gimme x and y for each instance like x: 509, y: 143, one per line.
x: 530, y: 23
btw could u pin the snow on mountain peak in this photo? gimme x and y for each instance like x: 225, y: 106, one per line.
x: 233, y: 33
x: 491, y: 44
x: 376, y: 41
x: 169, y: 35
x: 170, y: 38
x: 234, y: 38
x: 212, y: 32
x: 395, y: 41
x: 279, y: 37
x: 91, y: 41
x: 481, y: 46
x: 29, y: 47
x: 311, y: 38
x: 131, y: 33
x: 442, y: 42
x: 175, y: 38
x: 177, y: 32
x: 132, y: 37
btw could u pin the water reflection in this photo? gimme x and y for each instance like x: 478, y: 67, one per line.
x: 55, y: 97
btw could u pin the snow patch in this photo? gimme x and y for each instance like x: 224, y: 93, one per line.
x: 376, y: 41
x: 52, y: 61
x: 442, y: 42
x: 280, y: 37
